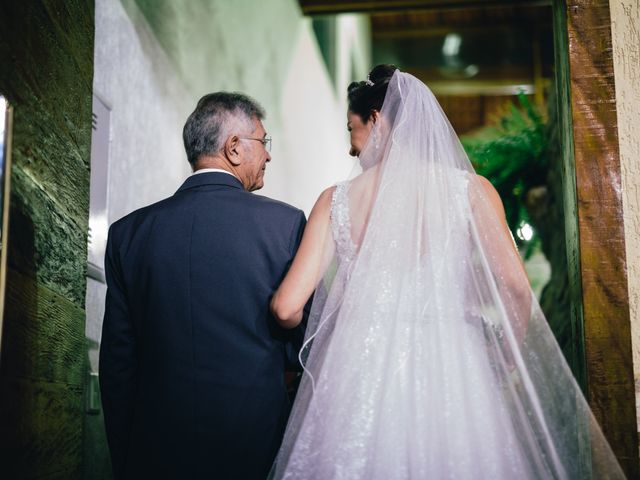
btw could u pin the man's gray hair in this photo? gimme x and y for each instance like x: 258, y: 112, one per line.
x: 216, y: 117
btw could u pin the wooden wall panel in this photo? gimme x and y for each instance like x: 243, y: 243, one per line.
x: 46, y: 53
x: 41, y: 432
x: 605, y: 303
x: 46, y: 333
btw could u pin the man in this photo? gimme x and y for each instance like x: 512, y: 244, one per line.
x: 192, y: 362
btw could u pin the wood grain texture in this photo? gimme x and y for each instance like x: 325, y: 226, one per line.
x: 573, y: 348
x: 45, y: 242
x: 46, y: 49
x: 607, y: 333
x: 44, y: 332
x: 40, y: 429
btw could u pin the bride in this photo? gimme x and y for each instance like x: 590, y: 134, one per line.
x: 426, y: 354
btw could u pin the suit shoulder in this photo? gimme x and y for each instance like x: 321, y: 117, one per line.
x: 277, y: 206
x: 137, y: 215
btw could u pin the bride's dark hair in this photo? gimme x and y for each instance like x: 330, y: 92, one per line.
x: 364, y: 97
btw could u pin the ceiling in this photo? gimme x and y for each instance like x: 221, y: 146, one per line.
x: 475, y: 55
x: 316, y: 7
x: 464, y: 48
x: 477, y: 50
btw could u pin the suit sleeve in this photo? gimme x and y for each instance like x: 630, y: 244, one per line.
x: 296, y: 336
x: 118, y: 366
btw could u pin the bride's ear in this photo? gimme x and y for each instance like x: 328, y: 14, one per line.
x: 375, y: 116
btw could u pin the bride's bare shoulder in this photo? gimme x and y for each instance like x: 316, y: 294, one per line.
x: 323, y: 204
x: 483, y: 186
x: 482, y: 191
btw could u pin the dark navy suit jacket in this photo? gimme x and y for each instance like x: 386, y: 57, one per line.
x: 191, y: 361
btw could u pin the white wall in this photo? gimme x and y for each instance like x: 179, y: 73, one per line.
x: 149, y: 103
x: 625, y: 35
x: 153, y: 61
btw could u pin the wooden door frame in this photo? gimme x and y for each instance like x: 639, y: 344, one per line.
x: 594, y: 224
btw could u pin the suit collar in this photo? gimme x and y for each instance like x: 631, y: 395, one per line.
x: 211, y: 178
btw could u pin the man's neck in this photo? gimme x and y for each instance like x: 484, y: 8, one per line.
x: 213, y: 170
x: 213, y: 163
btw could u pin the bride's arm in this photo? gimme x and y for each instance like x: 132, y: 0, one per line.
x: 308, y: 265
x: 501, y: 254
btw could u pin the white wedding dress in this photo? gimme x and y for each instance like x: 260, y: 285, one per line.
x: 426, y: 355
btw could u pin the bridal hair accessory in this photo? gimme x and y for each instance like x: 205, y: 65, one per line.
x: 368, y: 81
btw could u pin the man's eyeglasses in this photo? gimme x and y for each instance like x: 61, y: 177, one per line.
x: 266, y: 141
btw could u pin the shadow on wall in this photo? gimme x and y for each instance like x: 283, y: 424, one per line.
x: 96, y: 458
x: 16, y: 396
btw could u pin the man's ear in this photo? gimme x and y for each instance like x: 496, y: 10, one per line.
x: 232, y: 150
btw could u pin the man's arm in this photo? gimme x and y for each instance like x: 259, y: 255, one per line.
x: 118, y: 365
x: 295, y: 336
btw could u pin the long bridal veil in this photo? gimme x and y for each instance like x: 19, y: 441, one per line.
x: 426, y: 354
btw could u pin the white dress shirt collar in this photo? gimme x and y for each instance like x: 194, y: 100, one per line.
x: 208, y: 170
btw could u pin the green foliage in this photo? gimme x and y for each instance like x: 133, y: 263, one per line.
x: 513, y: 156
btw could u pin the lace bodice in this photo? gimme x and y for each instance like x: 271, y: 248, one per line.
x: 341, y: 223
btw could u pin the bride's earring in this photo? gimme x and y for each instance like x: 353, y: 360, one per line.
x: 376, y: 140
x: 376, y: 137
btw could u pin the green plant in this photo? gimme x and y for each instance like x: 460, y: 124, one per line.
x: 513, y: 156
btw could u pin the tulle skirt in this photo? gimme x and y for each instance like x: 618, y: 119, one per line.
x: 414, y: 399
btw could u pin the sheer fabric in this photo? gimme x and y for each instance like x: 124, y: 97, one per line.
x: 426, y: 354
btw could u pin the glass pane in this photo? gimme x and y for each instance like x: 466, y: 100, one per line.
x: 5, y: 172
x: 3, y: 155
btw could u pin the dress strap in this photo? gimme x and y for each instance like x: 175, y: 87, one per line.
x: 340, y: 221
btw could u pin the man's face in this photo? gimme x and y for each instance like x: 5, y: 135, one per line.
x: 254, y: 158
